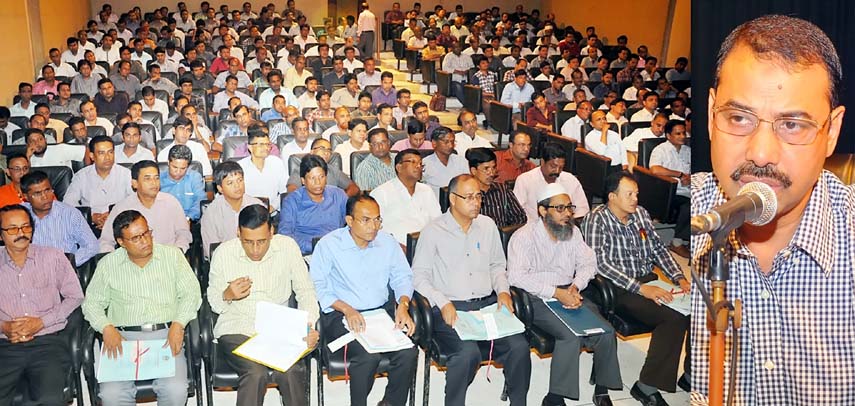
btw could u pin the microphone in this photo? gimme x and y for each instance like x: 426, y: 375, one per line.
x: 755, y: 204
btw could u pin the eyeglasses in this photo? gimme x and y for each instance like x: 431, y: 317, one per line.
x: 367, y: 220
x: 42, y: 193
x: 791, y: 130
x: 473, y: 198
x: 139, y: 238
x: 14, y: 230
x: 379, y: 143
x: 19, y: 168
x: 561, y: 208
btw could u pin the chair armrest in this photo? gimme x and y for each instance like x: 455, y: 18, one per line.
x: 603, y: 287
x: 423, y: 307
x: 87, y: 340
x: 522, y: 305
x: 418, y: 320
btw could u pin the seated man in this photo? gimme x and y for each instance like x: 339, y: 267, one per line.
x: 406, y: 204
x: 183, y: 131
x: 300, y: 144
x: 542, y: 114
x: 572, y: 128
x: 164, y: 213
x: 499, y: 202
x: 377, y: 168
x: 184, y: 184
x: 624, y: 238
x: 516, y: 94
x: 528, y: 185
x: 342, y: 120
x: 142, y: 274
x: 259, y: 267
x: 17, y: 166
x: 31, y: 341
x: 602, y: 140
x: 449, y: 244
x: 468, y: 138
x: 335, y: 176
x: 443, y: 164
x: 42, y: 154
x: 265, y: 174
x: 656, y: 130
x: 348, y: 96
x: 549, y: 260
x: 415, y: 137
x: 100, y: 185
x: 57, y: 224
x: 131, y: 152
x: 357, y: 132
x: 513, y: 162
x: 650, y: 103
x: 108, y: 100
x: 422, y: 114
x: 674, y: 158
x: 313, y: 210
x: 219, y: 221
x: 353, y: 269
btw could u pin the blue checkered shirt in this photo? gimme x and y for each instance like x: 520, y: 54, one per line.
x: 797, y: 340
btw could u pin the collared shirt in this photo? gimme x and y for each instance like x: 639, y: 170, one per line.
x: 9, y: 195
x: 343, y: 97
x: 165, y: 218
x: 243, y: 79
x: 463, y: 142
x: 667, y: 156
x: 628, y: 251
x: 642, y: 115
x: 141, y: 154
x: 164, y: 290
x: 220, y: 222
x: 267, y: 182
x: 572, y: 128
x: 189, y: 190
x: 674, y: 74
x: 90, y: 189
x: 18, y: 110
x: 221, y: 100
x: 349, y: 65
x: 378, y: 96
x: 630, y: 143
x: 529, y: 185
x: 319, y: 113
x: 292, y: 148
x: 613, y: 148
x: 619, y: 121
x: 72, y: 106
x: 452, y: 62
x: 280, y: 272
x: 366, y: 22
x: 45, y: 287
x: 554, y: 96
x: 534, y: 116
x: 198, y: 153
x: 399, y: 115
x: 487, y: 82
x: 364, y: 79
x: 159, y: 106
x: 451, y: 264
x: 402, y: 212
x: 500, y: 204
x: 507, y: 169
x: 65, y: 228
x: 117, y: 104
x: 437, y: 175
x: 344, y: 150
x: 293, y: 78
x: 405, y: 143
x: 570, y: 88
x: 538, y: 264
x: 373, y: 172
x: 43, y: 87
x: 795, y: 344
x: 163, y: 84
x: 265, y: 99
x: 514, y: 95
x: 58, y: 155
x: 303, y: 219
x: 360, y: 277
x: 130, y: 85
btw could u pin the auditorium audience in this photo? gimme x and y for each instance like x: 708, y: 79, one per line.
x: 551, y: 170
x: 377, y: 167
x: 182, y: 182
x: 220, y: 219
x: 499, y: 202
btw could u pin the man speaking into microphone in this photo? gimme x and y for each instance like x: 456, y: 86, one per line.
x: 774, y: 118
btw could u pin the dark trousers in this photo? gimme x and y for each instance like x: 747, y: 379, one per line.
x: 366, y: 44
x: 464, y: 357
x: 252, y: 384
x: 683, y: 206
x: 666, y: 342
x: 362, y: 365
x: 43, y: 362
x: 564, y: 372
x: 457, y: 90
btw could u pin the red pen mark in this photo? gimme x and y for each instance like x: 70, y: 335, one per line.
x: 643, y: 233
x: 139, y: 355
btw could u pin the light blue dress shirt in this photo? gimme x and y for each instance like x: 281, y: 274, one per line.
x: 513, y: 95
x: 303, y: 219
x: 189, y: 190
x: 65, y: 228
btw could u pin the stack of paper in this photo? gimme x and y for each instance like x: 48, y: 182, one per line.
x: 140, y: 360
x: 380, y: 334
x: 581, y: 321
x: 279, y: 341
x: 487, y: 324
x: 682, y: 302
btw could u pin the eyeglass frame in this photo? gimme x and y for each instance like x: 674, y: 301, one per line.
x: 561, y: 208
x: 18, y: 229
x: 473, y: 198
x: 138, y: 238
x: 817, y: 126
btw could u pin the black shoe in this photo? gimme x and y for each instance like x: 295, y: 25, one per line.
x: 602, y: 400
x: 546, y: 402
x: 651, y: 400
x: 383, y: 403
x: 684, y: 383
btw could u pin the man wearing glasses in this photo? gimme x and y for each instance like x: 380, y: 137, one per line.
x: 499, y: 202
x: 377, y: 167
x: 353, y: 269
x: 335, y: 176
x: 183, y: 133
x: 460, y: 265
x: 151, y: 293
x: 264, y: 173
x: 40, y: 291
x: 18, y: 166
x: 793, y: 275
x: 550, y: 260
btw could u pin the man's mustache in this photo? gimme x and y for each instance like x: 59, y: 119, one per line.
x: 22, y: 238
x: 760, y: 172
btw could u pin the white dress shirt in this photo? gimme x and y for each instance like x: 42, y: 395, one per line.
x: 268, y: 182
x: 438, y: 175
x: 630, y: 143
x: 613, y: 148
x: 572, y: 128
x: 404, y: 213
x: 462, y: 143
x: 529, y: 185
x: 667, y: 156
x: 199, y: 154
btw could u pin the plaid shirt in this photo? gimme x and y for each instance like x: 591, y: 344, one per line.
x: 796, y: 344
x: 501, y: 205
x: 628, y: 251
x: 318, y: 113
x: 487, y: 81
x: 626, y: 74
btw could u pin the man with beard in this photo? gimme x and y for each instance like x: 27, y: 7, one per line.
x: 40, y: 154
x: 549, y: 260
x: 624, y: 238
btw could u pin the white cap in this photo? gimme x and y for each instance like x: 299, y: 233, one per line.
x: 552, y: 189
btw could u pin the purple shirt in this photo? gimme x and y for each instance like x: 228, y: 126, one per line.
x: 45, y: 287
x: 378, y: 97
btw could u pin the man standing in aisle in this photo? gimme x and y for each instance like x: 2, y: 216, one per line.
x: 366, y: 27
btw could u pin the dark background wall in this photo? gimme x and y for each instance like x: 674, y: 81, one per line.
x: 712, y: 20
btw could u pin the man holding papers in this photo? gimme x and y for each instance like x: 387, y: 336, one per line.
x: 459, y: 266
x: 549, y: 260
x: 353, y: 269
x: 142, y: 291
x: 259, y: 266
x: 40, y: 290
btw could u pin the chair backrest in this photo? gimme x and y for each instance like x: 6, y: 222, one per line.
x: 194, y: 166
x: 229, y: 146
x: 93, y: 131
x: 395, y: 136
x: 20, y: 121
x: 444, y: 199
x: 561, y: 116
x: 443, y: 83
x: 645, y: 148
x: 338, y: 138
x: 591, y: 171
x: 505, y: 233
x: 540, y: 85
x: 499, y: 88
x: 628, y: 128
x: 60, y: 178
x: 501, y: 119
x: 370, y: 120
x: 412, y: 241
x: 322, y: 124
x: 356, y: 158
x: 655, y: 193
x: 82, y: 97
x: 538, y: 137
x: 569, y: 145
x: 472, y: 98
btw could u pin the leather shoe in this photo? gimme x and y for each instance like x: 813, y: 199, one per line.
x: 602, y: 400
x: 681, y: 250
x: 383, y: 403
x: 684, y: 383
x: 546, y: 402
x: 647, y: 400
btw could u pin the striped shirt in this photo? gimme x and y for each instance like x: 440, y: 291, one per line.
x: 90, y: 189
x: 280, y: 272
x: 538, y: 264
x: 796, y: 341
x: 64, y: 228
x: 373, y: 172
x: 500, y: 204
x: 46, y: 287
x: 220, y: 222
x: 165, y: 218
x: 164, y: 290
x: 628, y: 251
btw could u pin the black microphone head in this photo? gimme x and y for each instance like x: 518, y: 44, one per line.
x: 768, y: 202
